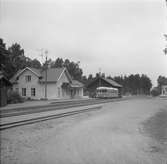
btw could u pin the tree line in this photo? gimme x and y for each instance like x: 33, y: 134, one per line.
x: 134, y: 84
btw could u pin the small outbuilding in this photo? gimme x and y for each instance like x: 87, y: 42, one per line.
x: 4, y: 85
x: 105, y: 82
x: 164, y: 91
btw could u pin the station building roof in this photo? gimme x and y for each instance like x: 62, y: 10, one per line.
x: 53, y: 75
x: 110, y: 82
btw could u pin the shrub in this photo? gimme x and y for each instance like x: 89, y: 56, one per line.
x: 155, y: 91
x: 92, y: 94
x: 14, y: 97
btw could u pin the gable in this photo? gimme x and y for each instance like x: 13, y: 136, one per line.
x: 19, y: 73
x: 34, y: 78
x: 68, y: 75
x: 33, y: 70
x: 64, y: 78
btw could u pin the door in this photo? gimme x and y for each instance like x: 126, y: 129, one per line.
x: 59, y: 92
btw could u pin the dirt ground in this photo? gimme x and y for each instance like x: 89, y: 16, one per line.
x: 127, y: 132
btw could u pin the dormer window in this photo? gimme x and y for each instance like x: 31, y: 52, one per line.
x: 28, y: 78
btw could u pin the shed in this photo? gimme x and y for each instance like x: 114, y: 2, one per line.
x: 105, y: 82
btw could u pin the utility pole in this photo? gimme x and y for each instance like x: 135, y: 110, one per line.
x: 46, y: 76
x: 45, y: 64
x: 99, y: 77
x: 165, y: 49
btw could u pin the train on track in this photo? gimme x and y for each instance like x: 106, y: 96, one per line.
x: 107, y: 92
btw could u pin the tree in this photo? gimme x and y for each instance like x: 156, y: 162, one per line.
x: 58, y: 63
x: 17, y: 56
x: 134, y: 84
x: 2, y: 44
x: 19, y: 61
x: 72, y: 67
x: 155, y: 91
x: 90, y: 77
x: 145, y: 84
x: 35, y: 64
x: 3, y: 57
x: 109, y: 77
x: 15, y: 59
x: 103, y: 75
x: 75, y: 71
x: 84, y: 80
x: 66, y: 63
x: 6, y: 65
x: 97, y: 75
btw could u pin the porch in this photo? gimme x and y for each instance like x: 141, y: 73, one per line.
x: 72, y: 90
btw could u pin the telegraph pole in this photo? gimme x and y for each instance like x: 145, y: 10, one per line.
x: 45, y: 64
x: 99, y: 77
x: 46, y: 76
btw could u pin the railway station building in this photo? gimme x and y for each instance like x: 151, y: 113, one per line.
x: 32, y: 83
x: 102, y: 82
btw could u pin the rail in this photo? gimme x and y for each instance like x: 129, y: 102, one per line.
x: 45, y: 118
x: 54, y: 106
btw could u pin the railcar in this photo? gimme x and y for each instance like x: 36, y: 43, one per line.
x: 106, y: 92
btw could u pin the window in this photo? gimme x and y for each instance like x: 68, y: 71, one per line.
x: 28, y: 78
x: 32, y: 91
x: 23, y: 91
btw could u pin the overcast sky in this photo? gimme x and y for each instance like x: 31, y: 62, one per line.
x: 118, y: 36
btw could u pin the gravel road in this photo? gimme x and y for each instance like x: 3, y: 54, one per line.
x: 127, y: 132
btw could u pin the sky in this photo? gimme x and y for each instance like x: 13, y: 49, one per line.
x: 117, y: 37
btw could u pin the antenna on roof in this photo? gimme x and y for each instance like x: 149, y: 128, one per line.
x: 43, y: 54
x: 99, y: 71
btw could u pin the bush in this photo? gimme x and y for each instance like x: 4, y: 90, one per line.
x: 92, y: 94
x: 155, y: 91
x: 14, y: 97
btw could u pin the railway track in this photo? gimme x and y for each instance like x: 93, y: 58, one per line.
x: 45, y: 118
x: 54, y: 106
x: 51, y: 107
